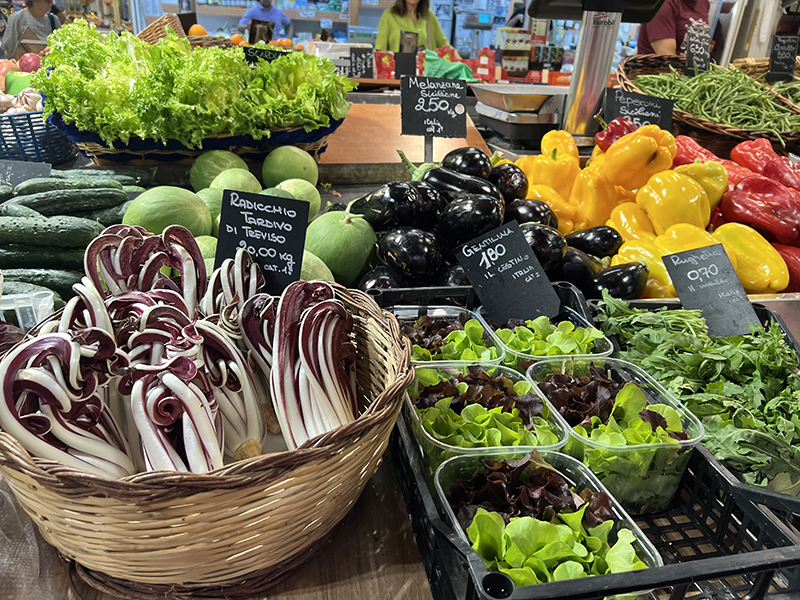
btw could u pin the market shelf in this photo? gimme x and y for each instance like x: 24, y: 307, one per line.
x: 294, y: 15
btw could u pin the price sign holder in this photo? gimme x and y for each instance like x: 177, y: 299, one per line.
x: 782, y: 57
x: 706, y: 280
x: 272, y: 230
x: 433, y: 107
x: 698, y: 50
x: 507, y: 276
x: 14, y: 172
x: 638, y: 108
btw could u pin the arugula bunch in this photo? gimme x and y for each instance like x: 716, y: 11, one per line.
x: 745, y: 389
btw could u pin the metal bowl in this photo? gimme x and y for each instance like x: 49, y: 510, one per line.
x: 516, y: 97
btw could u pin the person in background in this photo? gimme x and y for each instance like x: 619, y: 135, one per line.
x: 666, y: 33
x: 409, y: 15
x: 265, y: 11
x: 36, y: 16
x: 60, y: 13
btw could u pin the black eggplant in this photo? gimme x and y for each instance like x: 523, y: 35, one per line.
x: 598, y: 241
x: 454, y: 275
x: 576, y: 267
x: 530, y: 211
x: 547, y: 244
x: 470, y: 216
x: 510, y: 180
x: 412, y: 253
x: 432, y: 203
x: 469, y: 161
x: 391, y: 205
x: 453, y: 184
x: 627, y: 281
x: 380, y: 278
x: 335, y: 206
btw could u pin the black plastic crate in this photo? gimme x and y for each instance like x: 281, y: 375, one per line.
x: 465, y: 297
x: 715, y: 545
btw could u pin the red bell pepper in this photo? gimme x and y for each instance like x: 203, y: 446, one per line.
x: 791, y: 256
x: 717, y: 220
x: 736, y: 173
x: 764, y: 205
x: 782, y: 170
x: 615, y: 129
x: 754, y: 154
x: 689, y: 150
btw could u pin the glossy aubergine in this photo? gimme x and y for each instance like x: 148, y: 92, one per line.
x: 454, y: 276
x: 468, y: 161
x: 412, y: 253
x: 432, y: 203
x: 510, y: 180
x: 547, y: 244
x: 577, y: 268
x: 453, y: 184
x: 391, y: 205
x: 470, y: 216
x: 626, y: 282
x: 530, y: 211
x: 380, y: 278
x: 598, y: 241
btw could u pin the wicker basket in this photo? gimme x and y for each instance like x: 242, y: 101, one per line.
x: 158, y: 28
x: 27, y: 136
x: 719, y: 139
x: 756, y: 67
x: 237, y: 531
x: 210, y: 41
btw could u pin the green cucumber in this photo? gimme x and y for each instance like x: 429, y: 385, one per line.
x: 106, y: 216
x: 44, y: 257
x: 50, y: 184
x: 125, y: 175
x: 6, y: 192
x: 21, y: 287
x: 17, y: 210
x: 61, y: 232
x: 58, y: 280
x: 66, y: 202
x: 133, y: 189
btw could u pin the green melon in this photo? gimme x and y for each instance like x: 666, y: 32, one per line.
x: 240, y: 180
x: 160, y: 207
x: 289, y: 162
x: 277, y: 193
x: 344, y: 242
x: 208, y: 248
x: 303, y: 190
x: 210, y: 164
x: 213, y: 199
x: 313, y: 268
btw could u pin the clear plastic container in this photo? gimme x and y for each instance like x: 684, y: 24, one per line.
x: 644, y: 477
x: 576, y: 473
x: 409, y: 314
x: 600, y: 347
x: 26, y: 310
x: 435, y: 452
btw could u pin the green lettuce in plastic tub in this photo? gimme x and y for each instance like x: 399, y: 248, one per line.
x: 455, y: 409
x: 631, y: 432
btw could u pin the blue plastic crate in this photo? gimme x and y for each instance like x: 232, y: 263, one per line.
x: 27, y: 136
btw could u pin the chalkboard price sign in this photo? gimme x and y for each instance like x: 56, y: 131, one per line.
x: 14, y: 172
x: 433, y: 107
x: 706, y: 280
x: 638, y: 108
x: 782, y: 57
x: 272, y: 230
x: 698, y: 50
x: 252, y: 54
x: 361, y: 63
x: 506, y: 275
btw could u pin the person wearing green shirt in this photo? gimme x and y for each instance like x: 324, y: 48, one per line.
x: 409, y: 15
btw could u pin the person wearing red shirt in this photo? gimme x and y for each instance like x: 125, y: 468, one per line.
x: 666, y: 33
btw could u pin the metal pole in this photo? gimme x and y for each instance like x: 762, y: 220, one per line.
x: 428, y: 148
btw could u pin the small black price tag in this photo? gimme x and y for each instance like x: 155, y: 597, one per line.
x: 361, y: 63
x: 638, y: 108
x: 272, y: 230
x: 698, y: 50
x: 507, y: 276
x: 433, y: 107
x: 782, y: 57
x: 252, y: 54
x: 14, y: 172
x: 705, y: 279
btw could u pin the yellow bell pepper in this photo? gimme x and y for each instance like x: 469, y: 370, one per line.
x: 659, y: 284
x: 684, y: 236
x: 554, y: 170
x: 565, y: 212
x: 596, y: 160
x: 711, y: 175
x: 560, y: 141
x: 637, y: 156
x: 624, y: 195
x: 759, y: 266
x: 594, y: 198
x: 632, y: 223
x: 669, y: 198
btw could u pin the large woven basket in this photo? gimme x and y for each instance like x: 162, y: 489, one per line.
x: 158, y: 28
x: 236, y: 531
x: 210, y: 41
x: 756, y: 67
x: 720, y: 139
